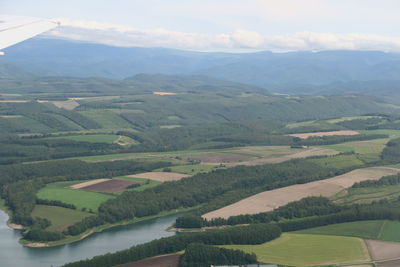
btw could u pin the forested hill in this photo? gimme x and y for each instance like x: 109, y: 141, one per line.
x: 324, y: 72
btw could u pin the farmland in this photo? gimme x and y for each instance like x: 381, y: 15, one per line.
x: 160, y: 261
x: 111, y: 186
x: 269, y: 200
x: 94, y: 138
x: 81, y: 199
x: 319, y: 134
x: 307, y: 250
x: 59, y: 217
x: 160, y: 176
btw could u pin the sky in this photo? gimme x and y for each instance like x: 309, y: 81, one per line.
x: 277, y: 25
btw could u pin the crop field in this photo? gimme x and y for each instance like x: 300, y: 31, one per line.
x: 366, y: 195
x: 193, y: 169
x: 306, y: 135
x: 383, y: 250
x: 293, y: 154
x: 107, y: 119
x: 59, y: 217
x: 81, y: 199
x: 160, y: 176
x: 93, y: 138
x: 110, y: 186
x: 272, y: 199
x: 308, y: 250
x: 377, y: 230
x: 146, y: 183
x: 160, y: 261
x: 362, y: 229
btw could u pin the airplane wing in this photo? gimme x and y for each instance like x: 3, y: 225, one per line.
x: 14, y: 29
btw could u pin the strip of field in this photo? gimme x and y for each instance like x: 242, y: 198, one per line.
x: 59, y: 217
x: 111, y: 185
x: 163, y: 93
x: 160, y: 261
x: 270, y: 200
x: 319, y: 134
x: 308, y: 250
x: 394, y: 263
x: 279, y: 159
x: 160, y: 176
x: 88, y: 183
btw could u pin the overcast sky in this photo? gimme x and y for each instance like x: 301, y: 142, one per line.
x: 223, y: 24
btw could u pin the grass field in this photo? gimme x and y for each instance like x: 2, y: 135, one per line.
x: 93, y: 138
x: 366, y: 194
x: 79, y: 198
x: 378, y: 230
x: 108, y: 119
x: 306, y: 250
x: 340, y: 162
x: 362, y: 229
x: 59, y: 217
x: 193, y: 168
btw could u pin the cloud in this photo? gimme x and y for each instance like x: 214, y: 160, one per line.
x: 118, y: 35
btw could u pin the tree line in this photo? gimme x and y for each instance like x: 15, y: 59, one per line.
x: 251, y: 235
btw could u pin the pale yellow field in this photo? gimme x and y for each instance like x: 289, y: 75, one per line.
x: 272, y: 199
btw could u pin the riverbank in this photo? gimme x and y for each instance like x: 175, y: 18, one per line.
x: 4, y: 208
x: 73, y: 239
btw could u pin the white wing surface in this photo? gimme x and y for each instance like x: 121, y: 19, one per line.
x: 14, y: 29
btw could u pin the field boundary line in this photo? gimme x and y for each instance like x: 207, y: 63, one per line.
x: 381, y: 230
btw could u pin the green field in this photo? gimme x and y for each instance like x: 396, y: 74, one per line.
x: 93, y: 138
x: 107, y: 119
x: 59, y: 217
x: 340, y: 161
x: 193, y: 168
x: 306, y: 250
x: 365, y: 195
x: 362, y: 229
x: 379, y: 230
x: 79, y: 198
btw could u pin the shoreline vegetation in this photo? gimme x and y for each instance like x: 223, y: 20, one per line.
x: 72, y: 239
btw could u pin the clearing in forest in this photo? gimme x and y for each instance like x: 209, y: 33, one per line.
x: 59, y: 217
x: 272, y: 199
x: 160, y: 176
x: 319, y: 134
x: 308, y: 250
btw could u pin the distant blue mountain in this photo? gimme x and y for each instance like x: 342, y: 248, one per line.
x: 302, y: 72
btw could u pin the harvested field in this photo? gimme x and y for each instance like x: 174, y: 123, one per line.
x: 279, y: 159
x: 88, y: 183
x: 111, y: 185
x: 306, y: 135
x: 161, y: 176
x: 270, y: 200
x: 68, y: 105
x: 383, y: 250
x: 163, y: 93
x: 160, y: 261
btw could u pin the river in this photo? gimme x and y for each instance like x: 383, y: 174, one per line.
x: 12, y: 254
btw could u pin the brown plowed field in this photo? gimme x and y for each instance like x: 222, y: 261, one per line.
x: 110, y: 186
x: 91, y: 182
x: 383, y: 250
x: 160, y: 176
x: 270, y: 200
x: 306, y: 135
x: 160, y: 261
